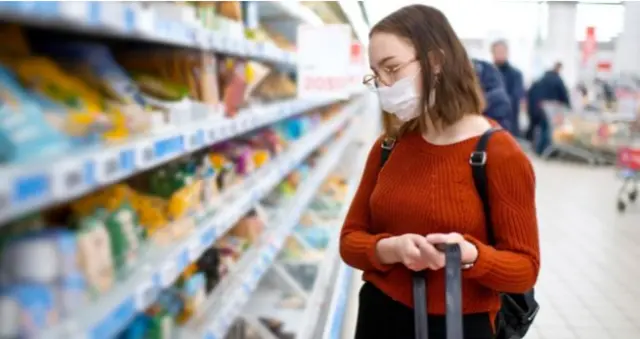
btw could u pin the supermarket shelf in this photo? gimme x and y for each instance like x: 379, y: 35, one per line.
x: 324, y: 285
x: 304, y: 322
x: 289, y: 9
x: 226, y: 303
x: 131, y: 21
x: 39, y: 184
x: 337, y: 308
x: 330, y: 322
x: 159, y: 266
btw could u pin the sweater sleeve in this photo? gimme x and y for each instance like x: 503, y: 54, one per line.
x: 357, y: 244
x: 511, y: 266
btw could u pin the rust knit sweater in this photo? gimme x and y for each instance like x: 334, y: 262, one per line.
x: 425, y: 188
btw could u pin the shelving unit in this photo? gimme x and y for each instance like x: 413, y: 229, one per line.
x: 160, y: 266
x: 32, y: 186
x: 320, y: 145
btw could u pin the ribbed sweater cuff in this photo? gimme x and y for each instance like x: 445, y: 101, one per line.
x: 484, y: 261
x: 373, y: 256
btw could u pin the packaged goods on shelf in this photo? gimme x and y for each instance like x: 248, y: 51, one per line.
x: 157, y: 164
x: 110, y: 230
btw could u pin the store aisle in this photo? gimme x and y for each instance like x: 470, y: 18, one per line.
x: 588, y: 287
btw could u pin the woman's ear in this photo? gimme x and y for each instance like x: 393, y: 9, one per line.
x: 436, y: 60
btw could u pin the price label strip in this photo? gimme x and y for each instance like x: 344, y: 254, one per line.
x: 69, y: 178
x: 76, y: 11
x: 212, y: 135
x: 107, y: 166
x: 112, y: 15
x: 196, y: 139
x: 145, y: 294
x: 30, y: 188
x: 144, y: 22
x: 194, y: 249
x: 208, y: 237
x: 168, y: 273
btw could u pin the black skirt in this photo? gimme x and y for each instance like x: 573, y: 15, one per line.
x: 380, y: 317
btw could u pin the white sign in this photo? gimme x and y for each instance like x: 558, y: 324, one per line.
x: 324, y: 58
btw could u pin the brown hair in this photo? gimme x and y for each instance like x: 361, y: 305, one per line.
x: 457, y: 91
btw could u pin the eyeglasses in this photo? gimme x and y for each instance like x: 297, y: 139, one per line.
x: 386, y: 76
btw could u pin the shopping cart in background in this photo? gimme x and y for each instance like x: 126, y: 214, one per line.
x: 628, y: 164
x: 602, y: 134
x: 569, y: 132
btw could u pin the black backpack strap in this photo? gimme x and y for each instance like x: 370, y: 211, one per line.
x: 387, y: 146
x: 478, y: 161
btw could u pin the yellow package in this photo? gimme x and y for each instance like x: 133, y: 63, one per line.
x: 86, y: 108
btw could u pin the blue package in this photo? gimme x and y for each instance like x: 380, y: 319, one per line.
x: 27, y: 309
x: 137, y: 329
x: 24, y: 131
x: 71, y: 294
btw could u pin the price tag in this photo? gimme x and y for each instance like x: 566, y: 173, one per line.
x: 212, y: 135
x: 216, y: 42
x: 222, y: 130
x: 74, y: 10
x: 196, y: 139
x: 168, y: 273
x: 145, y: 294
x: 225, y: 220
x: 233, y: 128
x: 226, y: 43
x: 68, y: 178
x: 112, y: 15
x: 107, y: 166
x: 145, y: 155
x: 194, y: 248
x: 256, y: 194
x: 239, y: 46
x: 247, y: 47
x: 247, y: 202
x: 208, y: 237
x: 144, y: 21
x: 250, y: 122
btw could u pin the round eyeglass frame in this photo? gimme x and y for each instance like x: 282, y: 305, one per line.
x: 372, y: 80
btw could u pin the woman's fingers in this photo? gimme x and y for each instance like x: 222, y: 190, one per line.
x: 431, y: 256
x: 444, y: 238
x: 413, y: 253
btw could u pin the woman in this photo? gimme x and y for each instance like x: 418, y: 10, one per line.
x: 425, y: 195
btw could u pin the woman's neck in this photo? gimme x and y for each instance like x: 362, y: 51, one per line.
x: 469, y: 126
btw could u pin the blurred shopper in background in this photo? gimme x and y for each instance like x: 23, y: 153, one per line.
x: 513, y: 82
x: 549, y: 88
x: 420, y: 192
x: 498, y: 104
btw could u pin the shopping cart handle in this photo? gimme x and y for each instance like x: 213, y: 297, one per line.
x: 446, y: 248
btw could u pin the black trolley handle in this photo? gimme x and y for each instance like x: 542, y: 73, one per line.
x: 453, y: 279
x: 420, y: 305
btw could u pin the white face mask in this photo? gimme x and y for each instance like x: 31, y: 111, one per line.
x: 400, y: 99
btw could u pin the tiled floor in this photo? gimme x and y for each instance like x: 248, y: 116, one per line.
x: 589, y: 285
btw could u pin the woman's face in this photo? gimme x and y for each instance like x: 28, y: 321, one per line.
x: 391, y: 59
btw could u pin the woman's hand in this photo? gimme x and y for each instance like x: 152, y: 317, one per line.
x: 412, y: 250
x: 468, y: 251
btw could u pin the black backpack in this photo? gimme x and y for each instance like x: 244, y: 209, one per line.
x: 517, y: 311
